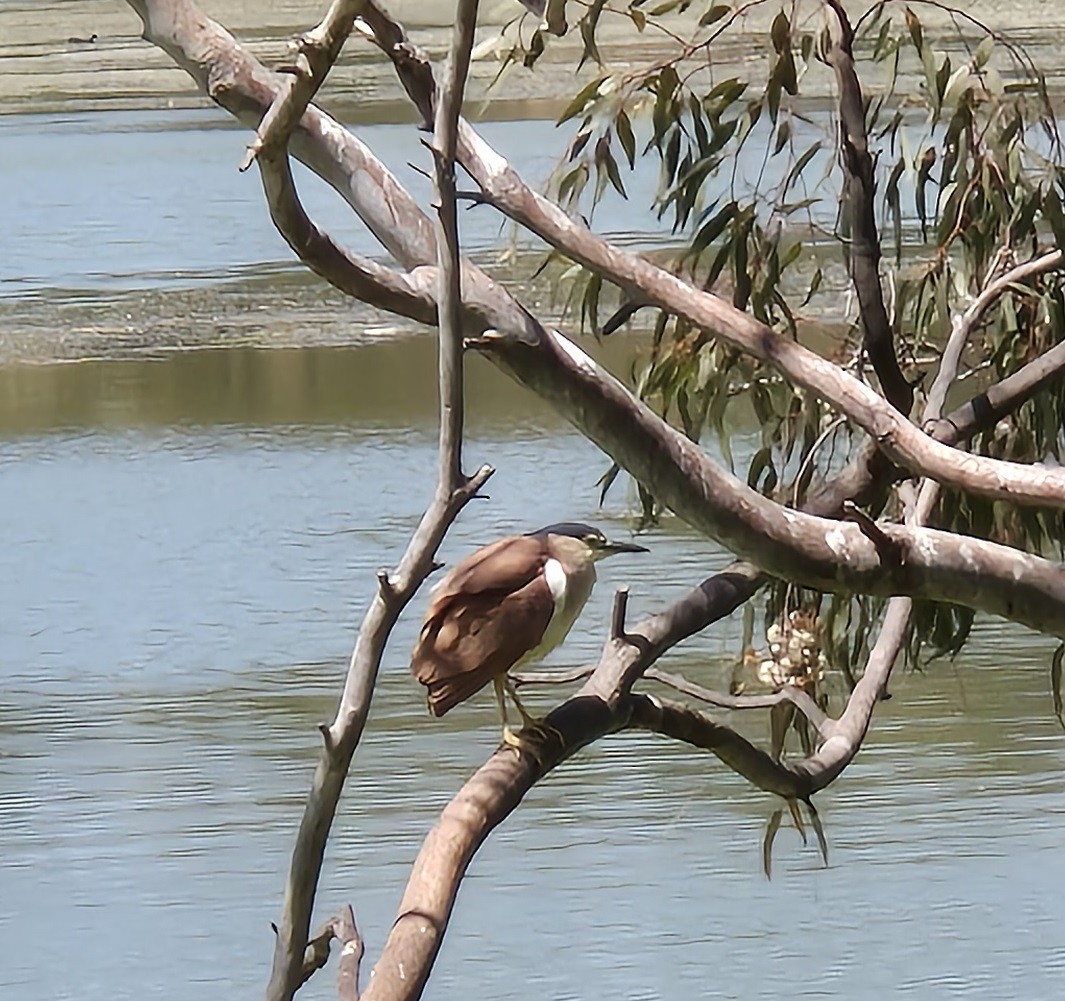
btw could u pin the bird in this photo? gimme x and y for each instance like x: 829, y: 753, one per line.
x: 74, y: 40
x: 509, y: 603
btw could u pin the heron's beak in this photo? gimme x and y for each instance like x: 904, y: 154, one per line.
x: 611, y: 548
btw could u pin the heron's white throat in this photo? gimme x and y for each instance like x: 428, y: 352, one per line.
x: 556, y: 582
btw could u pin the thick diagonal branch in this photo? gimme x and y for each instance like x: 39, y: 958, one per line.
x: 905, y: 444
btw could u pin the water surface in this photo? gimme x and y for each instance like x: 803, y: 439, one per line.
x: 184, y: 564
x: 189, y: 540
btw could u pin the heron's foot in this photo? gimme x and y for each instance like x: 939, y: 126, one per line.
x: 531, y: 739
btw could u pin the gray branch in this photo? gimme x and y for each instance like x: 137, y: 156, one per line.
x: 859, y: 188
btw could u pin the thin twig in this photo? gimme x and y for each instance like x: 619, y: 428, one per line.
x: 788, y: 693
x: 447, y: 245
x: 315, y: 53
x: 551, y: 677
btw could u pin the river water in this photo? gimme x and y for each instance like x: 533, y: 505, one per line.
x: 189, y: 540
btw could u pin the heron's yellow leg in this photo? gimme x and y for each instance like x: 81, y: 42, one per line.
x: 510, y: 738
x: 528, y: 721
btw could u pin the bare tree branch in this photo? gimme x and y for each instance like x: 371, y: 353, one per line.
x: 357, y: 276
x: 963, y: 323
x: 315, y: 52
x: 699, y: 730
x: 521, y: 678
x: 447, y: 242
x: 351, y: 952
x: 788, y: 694
x: 986, y: 409
x: 901, y: 441
x: 342, y: 927
x: 859, y: 188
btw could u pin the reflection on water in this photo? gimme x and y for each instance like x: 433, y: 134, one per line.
x: 187, y: 548
x: 386, y: 384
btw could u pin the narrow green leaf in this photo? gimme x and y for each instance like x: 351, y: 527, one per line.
x: 588, y: 24
x: 712, y: 229
x: 815, y: 284
x: 767, y: 842
x: 913, y: 25
x: 924, y: 170
x: 815, y: 821
x: 783, y: 135
x: 800, y: 165
x: 780, y: 31
x: 606, y: 481
x: 983, y: 52
x: 613, y: 173
x: 715, y: 13
x: 626, y: 137
x: 584, y: 97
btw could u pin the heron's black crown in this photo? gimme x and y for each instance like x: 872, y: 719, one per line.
x: 576, y: 529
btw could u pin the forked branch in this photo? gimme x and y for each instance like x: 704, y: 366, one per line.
x: 315, y: 52
x: 401, y: 294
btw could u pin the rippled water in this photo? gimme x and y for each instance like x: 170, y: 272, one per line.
x: 188, y: 542
x: 179, y: 599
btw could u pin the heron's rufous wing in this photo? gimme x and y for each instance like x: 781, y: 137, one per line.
x: 489, y: 612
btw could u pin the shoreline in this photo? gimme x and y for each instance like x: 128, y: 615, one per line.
x: 43, y: 70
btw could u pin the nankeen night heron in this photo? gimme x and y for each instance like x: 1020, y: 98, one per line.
x: 509, y: 603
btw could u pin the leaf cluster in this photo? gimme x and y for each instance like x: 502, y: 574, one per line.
x: 970, y: 181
